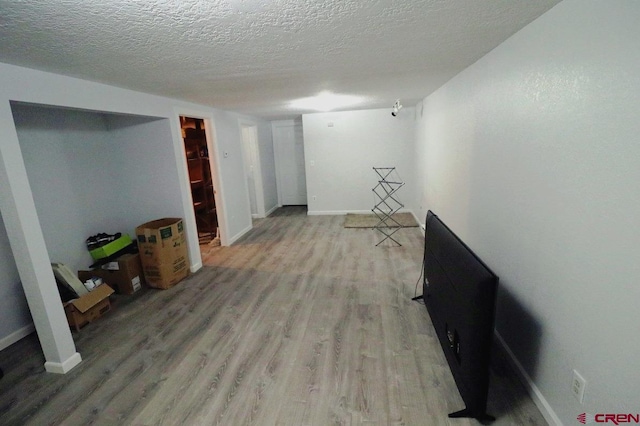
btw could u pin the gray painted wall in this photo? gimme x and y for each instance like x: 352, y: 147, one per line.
x: 531, y: 156
x: 14, y: 312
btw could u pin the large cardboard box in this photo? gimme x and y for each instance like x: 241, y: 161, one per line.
x: 163, y: 252
x: 88, y: 307
x: 123, y: 274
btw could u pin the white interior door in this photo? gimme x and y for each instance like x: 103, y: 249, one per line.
x: 289, y: 149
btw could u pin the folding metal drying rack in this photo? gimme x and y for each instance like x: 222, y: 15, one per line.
x: 387, y: 202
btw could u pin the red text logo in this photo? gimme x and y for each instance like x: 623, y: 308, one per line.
x: 616, y: 419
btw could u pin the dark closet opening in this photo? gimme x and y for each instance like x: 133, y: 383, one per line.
x: 202, y: 190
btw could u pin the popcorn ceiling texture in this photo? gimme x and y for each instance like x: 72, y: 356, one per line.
x: 254, y: 56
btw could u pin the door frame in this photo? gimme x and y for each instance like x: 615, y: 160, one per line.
x: 214, y: 164
x: 254, y: 147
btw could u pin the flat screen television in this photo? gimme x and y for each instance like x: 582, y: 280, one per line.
x: 459, y: 291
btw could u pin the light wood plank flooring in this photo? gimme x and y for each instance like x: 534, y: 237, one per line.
x: 302, y: 322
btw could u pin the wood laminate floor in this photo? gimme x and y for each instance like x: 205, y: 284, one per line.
x: 301, y: 322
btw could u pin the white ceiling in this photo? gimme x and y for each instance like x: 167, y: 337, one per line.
x: 255, y: 56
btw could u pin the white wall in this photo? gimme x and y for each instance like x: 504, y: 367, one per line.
x: 341, y: 149
x: 236, y: 204
x: 531, y: 157
x: 160, y: 142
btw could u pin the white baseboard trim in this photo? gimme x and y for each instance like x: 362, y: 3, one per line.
x: 65, y: 366
x: 21, y: 333
x: 336, y: 212
x: 271, y: 210
x: 344, y: 212
x: 195, y: 267
x: 240, y: 234
x: 538, y: 398
x: 420, y: 224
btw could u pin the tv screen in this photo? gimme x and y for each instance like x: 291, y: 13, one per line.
x: 459, y: 291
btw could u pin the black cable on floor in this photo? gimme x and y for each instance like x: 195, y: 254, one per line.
x: 417, y: 298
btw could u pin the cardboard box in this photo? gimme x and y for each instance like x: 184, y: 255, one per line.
x: 163, y: 252
x: 88, y: 307
x: 123, y: 274
x: 111, y: 248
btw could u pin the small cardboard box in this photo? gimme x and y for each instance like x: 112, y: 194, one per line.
x: 111, y: 248
x: 163, y: 252
x: 88, y: 307
x: 123, y: 274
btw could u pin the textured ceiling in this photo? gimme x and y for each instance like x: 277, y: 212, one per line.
x: 255, y: 56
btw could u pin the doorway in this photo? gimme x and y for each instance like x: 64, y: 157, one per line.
x: 288, y: 144
x: 199, y: 166
x: 253, y: 173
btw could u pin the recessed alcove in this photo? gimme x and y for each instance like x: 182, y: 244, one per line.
x: 92, y: 171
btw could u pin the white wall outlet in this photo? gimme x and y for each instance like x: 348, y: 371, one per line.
x: 577, y: 386
x: 313, y: 198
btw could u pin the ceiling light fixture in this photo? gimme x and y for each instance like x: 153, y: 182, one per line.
x: 326, y: 101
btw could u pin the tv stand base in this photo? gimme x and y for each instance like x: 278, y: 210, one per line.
x: 482, y: 418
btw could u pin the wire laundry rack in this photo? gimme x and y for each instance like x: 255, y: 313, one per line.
x: 387, y: 203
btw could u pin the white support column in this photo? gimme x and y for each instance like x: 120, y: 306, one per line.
x: 30, y: 253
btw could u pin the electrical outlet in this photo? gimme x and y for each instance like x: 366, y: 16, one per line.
x: 313, y: 198
x: 577, y: 386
